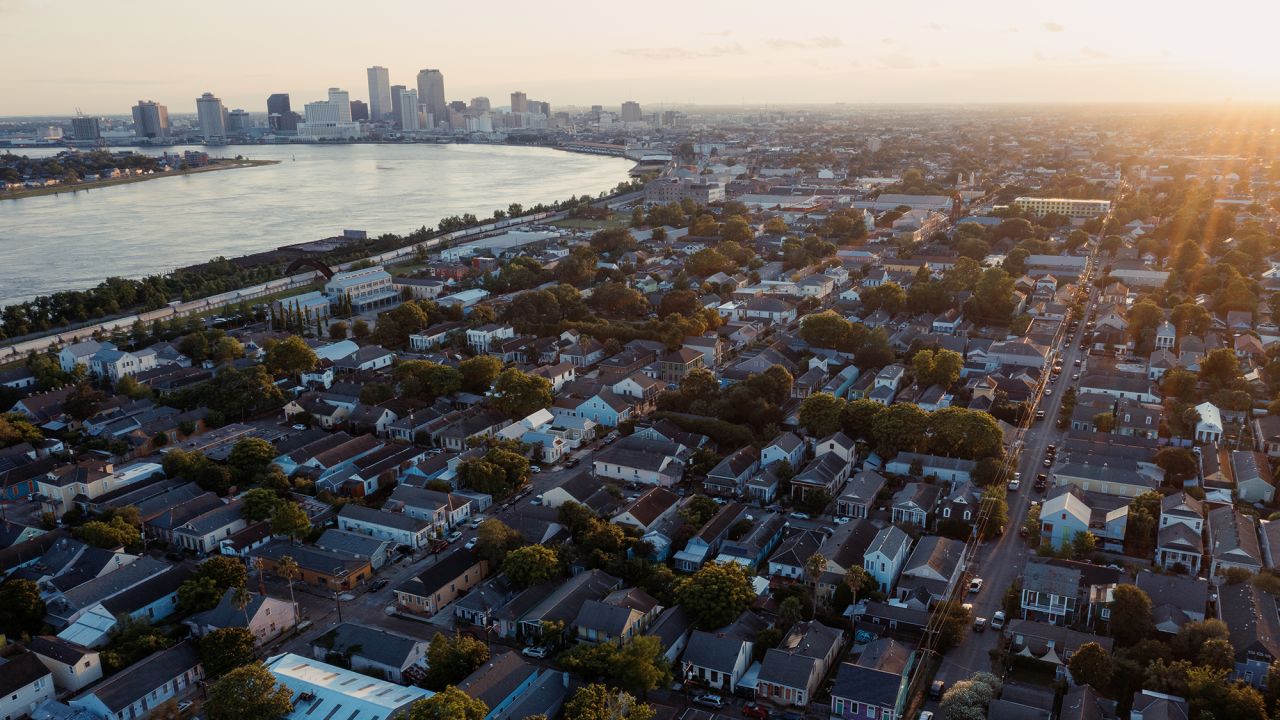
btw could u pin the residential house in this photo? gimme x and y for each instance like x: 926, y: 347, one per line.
x: 1151, y: 705
x: 860, y: 494
x: 1069, y: 511
x: 1065, y: 592
x: 356, y: 545
x: 730, y: 475
x: 616, y: 618
x: 331, y: 570
x: 720, y: 659
x: 1209, y: 427
x: 395, y: 527
x: 148, y: 684
x: 1233, y: 541
x: 826, y: 473
x: 440, y: 584
x: 1252, y: 472
x: 74, y: 667
x: 1175, y: 599
x: 952, y: 470
x: 752, y: 548
x: 25, y: 683
x: 649, y: 510
x: 633, y: 459
x: 1179, y: 537
x: 1252, y: 616
x: 266, y: 617
x: 320, y: 690
x: 706, y: 543
x: 932, y: 570
x: 526, y: 615
x: 886, y: 555
x: 915, y: 504
x: 203, y: 534
x: 791, y: 673
x: 398, y: 658
x: 500, y: 682
x: 444, y: 511
x: 1266, y: 435
x: 869, y: 689
x: 787, y: 446
x: 1051, y: 644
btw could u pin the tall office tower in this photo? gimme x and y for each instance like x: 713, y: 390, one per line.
x: 431, y: 95
x: 458, y: 106
x: 212, y: 115
x: 395, y: 102
x: 239, y: 122
x: 280, y: 114
x: 150, y: 119
x: 85, y: 128
x: 480, y: 104
x: 379, y: 93
x: 359, y: 111
x: 537, y: 106
x: 341, y: 99
x: 519, y: 102
x: 631, y: 111
x: 408, y: 103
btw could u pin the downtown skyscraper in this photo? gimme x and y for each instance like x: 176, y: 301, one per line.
x: 379, y: 93
x: 212, y: 115
x: 150, y: 119
x: 431, y: 95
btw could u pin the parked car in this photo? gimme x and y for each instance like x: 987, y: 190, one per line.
x: 925, y: 715
x: 535, y: 469
x: 437, y: 545
x: 936, y: 689
x: 797, y: 515
x: 573, y: 462
x: 842, y: 520
x: 975, y: 585
x: 979, y: 624
x: 377, y: 585
x: 997, y: 620
x: 535, y: 651
x: 754, y: 711
x: 714, y: 701
x: 1014, y: 484
x: 471, y: 544
x: 454, y: 536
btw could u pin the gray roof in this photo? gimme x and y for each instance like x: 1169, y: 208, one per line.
x: 1233, y: 536
x: 399, y: 521
x: 123, y: 689
x: 375, y: 644
x: 351, y: 543
x: 497, y: 679
x: 226, y: 614
x: 714, y: 651
x: 19, y: 672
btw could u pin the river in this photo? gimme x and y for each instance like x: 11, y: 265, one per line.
x: 73, y: 241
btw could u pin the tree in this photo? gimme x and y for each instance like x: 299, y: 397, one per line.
x: 1178, y: 464
x: 992, y: 298
x: 449, y: 704
x: 427, y: 380
x: 287, y: 568
x: 638, y: 665
x: 1091, y: 665
x: 954, y: 625
x: 531, y: 565
x: 1131, y: 619
x: 226, y: 649
x: 969, y: 698
x: 21, y: 609
x: 1194, y: 635
x: 338, y: 330
x: 1190, y: 319
x: 1083, y: 545
x: 826, y: 329
x: 899, y: 427
x: 249, y: 692
x: 707, y: 262
x: 109, y: 535
x: 449, y: 660
x: 599, y: 702
x: 83, y: 401
x: 889, y: 297
x: 960, y: 432
x: 478, y: 373
x: 813, y: 569
x: 716, y: 595
x: 858, y: 417
x: 1219, y: 368
x: 360, y: 329
x: 697, y: 510
x: 290, y: 520
x: 226, y: 349
x: 212, y: 580
x: 290, y: 356
x: 1218, y: 654
x: 820, y: 414
x: 679, y: 302
x: 249, y: 458
x: 494, y: 540
x: 995, y: 513
x: 519, y: 394
x: 791, y: 610
x: 937, y: 367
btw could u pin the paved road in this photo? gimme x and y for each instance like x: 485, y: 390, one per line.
x: 1000, y: 563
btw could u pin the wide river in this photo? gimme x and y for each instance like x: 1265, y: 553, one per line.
x: 73, y: 241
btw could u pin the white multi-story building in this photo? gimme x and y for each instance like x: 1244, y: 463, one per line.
x: 367, y: 288
x: 1064, y: 206
x: 330, y: 119
x: 212, y: 115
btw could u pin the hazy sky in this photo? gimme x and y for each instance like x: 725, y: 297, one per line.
x: 103, y: 56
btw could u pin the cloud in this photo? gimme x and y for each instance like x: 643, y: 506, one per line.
x: 676, y: 53
x: 1054, y: 27
x: 821, y: 42
x: 899, y: 61
x: 1094, y: 54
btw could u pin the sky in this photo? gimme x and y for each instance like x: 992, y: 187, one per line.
x: 104, y: 56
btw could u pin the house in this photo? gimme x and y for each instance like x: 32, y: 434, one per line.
x: 1252, y: 472
x: 651, y: 509
x: 720, y: 659
x: 792, y: 672
x: 585, y: 490
x: 25, y: 682
x: 499, y: 682
x: 1051, y: 644
x: 1209, y: 427
x: 1018, y: 353
x: 1068, y: 511
x: 356, y: 545
x: 203, y: 533
x: 933, y: 568
x: 398, y: 658
x: 713, y: 349
x: 525, y: 616
x: 395, y: 527
x: 915, y: 504
x: 952, y: 470
x: 1252, y: 616
x: 752, y: 548
x: 74, y: 667
x: 787, y: 446
x: 860, y: 494
x: 266, y: 617
x: 618, y: 617
x: 825, y: 474
x: 443, y: 510
x: 321, y: 690
x: 1175, y: 599
x: 478, y: 606
x: 706, y: 543
x: 730, y: 475
x: 886, y: 555
x: 633, y: 459
x: 789, y: 559
x: 331, y: 570
x: 147, y: 684
x: 1266, y: 435
x: 480, y: 339
x: 1233, y: 541
x: 869, y: 689
x: 1065, y: 592
x: 1151, y: 705
x: 440, y: 584
x: 1082, y: 702
x: 769, y: 309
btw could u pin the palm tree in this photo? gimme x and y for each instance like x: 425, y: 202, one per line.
x: 813, y: 568
x: 854, y: 578
x: 287, y: 568
x: 242, y: 597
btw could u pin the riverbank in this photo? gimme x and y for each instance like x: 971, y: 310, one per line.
x: 220, y: 164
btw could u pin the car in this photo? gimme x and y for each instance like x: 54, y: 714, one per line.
x: 1075, y: 376
x: 842, y: 520
x: 535, y: 651
x: 377, y: 585
x: 1048, y: 391
x: 975, y: 585
x: 997, y: 620
x: 755, y: 712
x: 936, y: 689
x: 1077, y: 362
x: 471, y: 544
x: 797, y: 515
x: 1014, y: 484
x: 714, y: 701
x: 925, y: 715
x: 1039, y: 414
x: 1048, y: 462
x: 454, y: 536
x: 299, y: 427
x: 1051, y: 448
x: 979, y: 624
x: 535, y: 469
x: 185, y: 705
x: 573, y: 462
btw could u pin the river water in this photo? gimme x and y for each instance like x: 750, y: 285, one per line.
x: 75, y: 240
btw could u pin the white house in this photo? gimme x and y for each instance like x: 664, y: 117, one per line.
x: 24, y: 683
x: 1209, y: 427
x: 885, y: 556
x: 396, y: 527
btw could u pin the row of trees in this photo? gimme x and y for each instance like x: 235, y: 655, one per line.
x: 951, y: 431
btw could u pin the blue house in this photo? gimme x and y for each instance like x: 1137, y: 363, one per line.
x: 500, y: 682
x: 869, y: 688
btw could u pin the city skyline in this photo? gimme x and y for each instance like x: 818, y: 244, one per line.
x: 998, y: 52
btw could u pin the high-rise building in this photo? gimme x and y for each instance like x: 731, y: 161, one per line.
x: 280, y: 114
x: 239, y: 122
x: 85, y: 128
x: 537, y: 106
x: 330, y: 119
x: 359, y: 111
x: 212, y: 115
x: 395, y: 102
x: 631, y: 111
x: 480, y: 104
x: 431, y: 95
x: 379, y: 93
x: 519, y: 102
x: 458, y: 106
x: 341, y: 99
x: 150, y: 119
x: 407, y: 101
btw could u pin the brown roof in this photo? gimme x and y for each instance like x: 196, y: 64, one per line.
x: 650, y: 506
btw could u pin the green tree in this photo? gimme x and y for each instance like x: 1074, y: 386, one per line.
x: 478, y: 373
x: 716, y: 595
x: 1091, y: 665
x: 494, y: 540
x: 858, y: 418
x: 110, y: 535
x: 899, y: 427
x: 697, y: 510
x: 970, y: 698
x: 450, y: 660
x: 338, y: 330
x: 600, y: 702
x: 531, y: 565
x: 290, y: 520
x: 226, y: 649
x: 1220, y: 368
x: 1131, y: 619
x: 954, y: 625
x: 889, y: 297
x: 21, y: 609
x: 212, y: 579
x: 960, y: 432
x: 249, y: 458
x: 249, y: 692
x: 826, y: 329
x: 638, y: 665
x: 519, y: 394
x: 820, y: 414
x: 449, y: 704
x: 427, y: 380
x: 1178, y: 464
x: 290, y: 356
x: 937, y: 367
